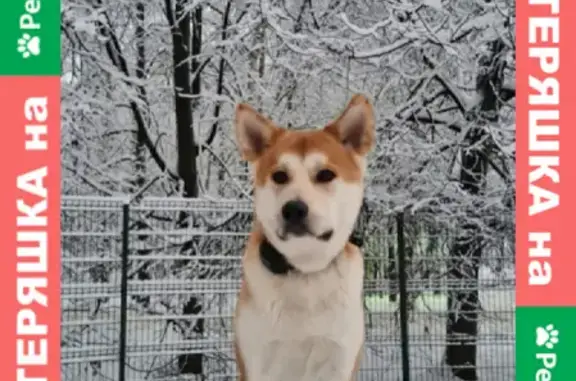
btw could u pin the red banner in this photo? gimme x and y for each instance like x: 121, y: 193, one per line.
x: 30, y: 207
x: 545, y: 184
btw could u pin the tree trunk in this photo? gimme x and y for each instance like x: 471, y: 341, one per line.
x: 462, y: 325
x: 187, y: 45
x: 463, y: 306
x: 186, y: 144
x: 392, y: 270
x: 221, y: 173
x: 140, y: 147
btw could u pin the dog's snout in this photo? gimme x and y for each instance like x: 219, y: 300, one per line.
x: 295, y: 211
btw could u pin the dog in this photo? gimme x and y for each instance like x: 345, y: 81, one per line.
x: 299, y: 313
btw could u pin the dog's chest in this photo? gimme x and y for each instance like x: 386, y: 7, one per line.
x: 316, y: 358
x: 305, y: 335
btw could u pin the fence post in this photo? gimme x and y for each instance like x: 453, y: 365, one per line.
x: 124, y: 291
x: 403, y: 295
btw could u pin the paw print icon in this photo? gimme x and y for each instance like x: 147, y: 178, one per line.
x: 28, y: 45
x: 547, y: 336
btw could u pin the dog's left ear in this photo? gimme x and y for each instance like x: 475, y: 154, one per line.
x: 355, y: 126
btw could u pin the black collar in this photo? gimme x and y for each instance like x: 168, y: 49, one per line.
x: 277, y: 263
x: 274, y: 260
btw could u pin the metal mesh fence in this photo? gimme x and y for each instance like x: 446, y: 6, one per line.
x: 91, y: 264
x: 171, y: 319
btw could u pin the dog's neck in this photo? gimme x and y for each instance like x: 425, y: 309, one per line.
x: 277, y: 263
x: 273, y: 260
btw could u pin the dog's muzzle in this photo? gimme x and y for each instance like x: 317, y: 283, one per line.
x: 295, y: 218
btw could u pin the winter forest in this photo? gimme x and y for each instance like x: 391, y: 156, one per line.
x: 148, y: 94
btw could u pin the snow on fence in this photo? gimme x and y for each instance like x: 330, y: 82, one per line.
x: 148, y: 291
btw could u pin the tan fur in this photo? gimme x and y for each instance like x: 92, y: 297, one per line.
x: 307, y: 325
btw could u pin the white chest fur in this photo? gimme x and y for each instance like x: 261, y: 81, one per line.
x: 302, y: 328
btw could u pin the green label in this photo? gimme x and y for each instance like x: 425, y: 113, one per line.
x: 30, y: 43
x: 545, y: 343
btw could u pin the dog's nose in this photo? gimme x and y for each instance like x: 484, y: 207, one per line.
x: 295, y: 211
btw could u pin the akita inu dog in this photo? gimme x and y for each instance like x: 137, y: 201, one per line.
x: 299, y: 315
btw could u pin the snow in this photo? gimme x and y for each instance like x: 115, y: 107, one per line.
x: 298, y: 63
x: 437, y: 4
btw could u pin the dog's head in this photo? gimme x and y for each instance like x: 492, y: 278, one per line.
x: 308, y: 184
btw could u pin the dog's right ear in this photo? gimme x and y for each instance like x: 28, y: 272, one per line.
x: 254, y: 132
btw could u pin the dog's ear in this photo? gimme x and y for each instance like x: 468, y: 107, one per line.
x: 254, y: 132
x: 355, y: 126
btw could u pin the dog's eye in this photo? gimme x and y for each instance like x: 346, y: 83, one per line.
x: 325, y: 176
x: 280, y: 177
